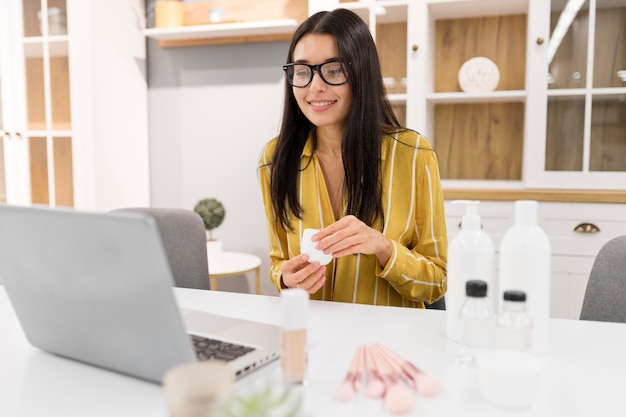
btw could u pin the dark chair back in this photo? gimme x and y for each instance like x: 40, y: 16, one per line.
x: 440, y: 304
x: 605, y: 296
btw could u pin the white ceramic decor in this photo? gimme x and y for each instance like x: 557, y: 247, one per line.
x: 479, y: 75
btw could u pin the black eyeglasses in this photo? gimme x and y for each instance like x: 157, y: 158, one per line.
x: 301, y: 75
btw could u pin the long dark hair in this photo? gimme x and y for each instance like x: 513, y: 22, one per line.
x: 369, y: 118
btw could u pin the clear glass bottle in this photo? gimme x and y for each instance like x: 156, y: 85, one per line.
x: 476, y: 321
x: 514, y: 323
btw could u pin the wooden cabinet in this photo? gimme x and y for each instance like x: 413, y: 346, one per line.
x: 479, y: 136
x: 73, y: 104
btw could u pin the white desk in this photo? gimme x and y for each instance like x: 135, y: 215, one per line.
x: 228, y: 264
x: 585, y: 375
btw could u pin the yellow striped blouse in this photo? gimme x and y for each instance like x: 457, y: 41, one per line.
x: 414, y: 221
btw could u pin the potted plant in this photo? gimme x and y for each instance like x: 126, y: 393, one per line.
x: 265, y: 398
x: 212, y: 213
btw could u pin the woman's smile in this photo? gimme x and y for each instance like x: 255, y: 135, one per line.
x: 321, y: 105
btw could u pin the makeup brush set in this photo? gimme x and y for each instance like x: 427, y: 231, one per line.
x: 387, y: 375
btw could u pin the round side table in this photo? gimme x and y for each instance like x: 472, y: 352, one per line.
x: 228, y: 264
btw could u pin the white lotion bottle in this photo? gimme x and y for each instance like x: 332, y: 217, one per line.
x: 471, y: 256
x: 293, y: 356
x: 525, y: 264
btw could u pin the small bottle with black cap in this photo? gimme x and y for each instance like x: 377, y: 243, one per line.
x: 476, y: 321
x: 514, y: 323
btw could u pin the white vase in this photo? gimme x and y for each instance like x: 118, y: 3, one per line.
x: 213, y: 248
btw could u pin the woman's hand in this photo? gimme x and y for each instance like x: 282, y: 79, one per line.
x: 297, y: 272
x: 349, y: 235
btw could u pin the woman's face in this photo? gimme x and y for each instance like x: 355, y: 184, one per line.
x: 326, y: 106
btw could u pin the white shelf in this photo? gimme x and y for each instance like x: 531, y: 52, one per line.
x: 222, y: 30
x: 386, y: 11
x: 596, y: 92
x: 451, y: 9
x: 490, y: 97
x: 58, y: 46
x: 397, y: 98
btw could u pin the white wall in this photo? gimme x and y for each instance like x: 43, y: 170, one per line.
x: 211, y: 111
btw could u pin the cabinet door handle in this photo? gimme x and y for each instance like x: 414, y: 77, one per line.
x: 7, y: 134
x: 586, y: 228
x: 540, y: 41
x: 414, y: 48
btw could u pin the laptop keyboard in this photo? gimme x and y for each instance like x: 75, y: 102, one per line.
x: 217, y: 349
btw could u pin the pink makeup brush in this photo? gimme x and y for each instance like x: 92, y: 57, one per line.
x: 398, y: 398
x: 395, y: 366
x: 375, y: 387
x: 425, y: 384
x: 351, y: 383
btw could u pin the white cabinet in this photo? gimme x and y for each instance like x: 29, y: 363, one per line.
x: 566, y: 130
x: 581, y: 126
x: 576, y: 231
x: 14, y: 172
x: 74, y: 104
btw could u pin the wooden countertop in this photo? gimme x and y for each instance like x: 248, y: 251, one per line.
x: 566, y: 196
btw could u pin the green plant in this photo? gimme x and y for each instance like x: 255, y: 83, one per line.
x: 212, y: 213
x: 265, y: 399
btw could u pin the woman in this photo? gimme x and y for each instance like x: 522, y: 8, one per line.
x: 343, y: 164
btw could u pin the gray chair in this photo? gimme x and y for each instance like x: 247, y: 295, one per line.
x: 184, y: 240
x: 605, y: 296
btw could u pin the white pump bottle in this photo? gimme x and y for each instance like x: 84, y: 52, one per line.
x: 471, y: 255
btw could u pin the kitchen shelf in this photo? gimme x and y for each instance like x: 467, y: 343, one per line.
x: 490, y: 97
x: 220, y: 33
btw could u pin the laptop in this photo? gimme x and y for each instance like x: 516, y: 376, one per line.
x: 97, y: 288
